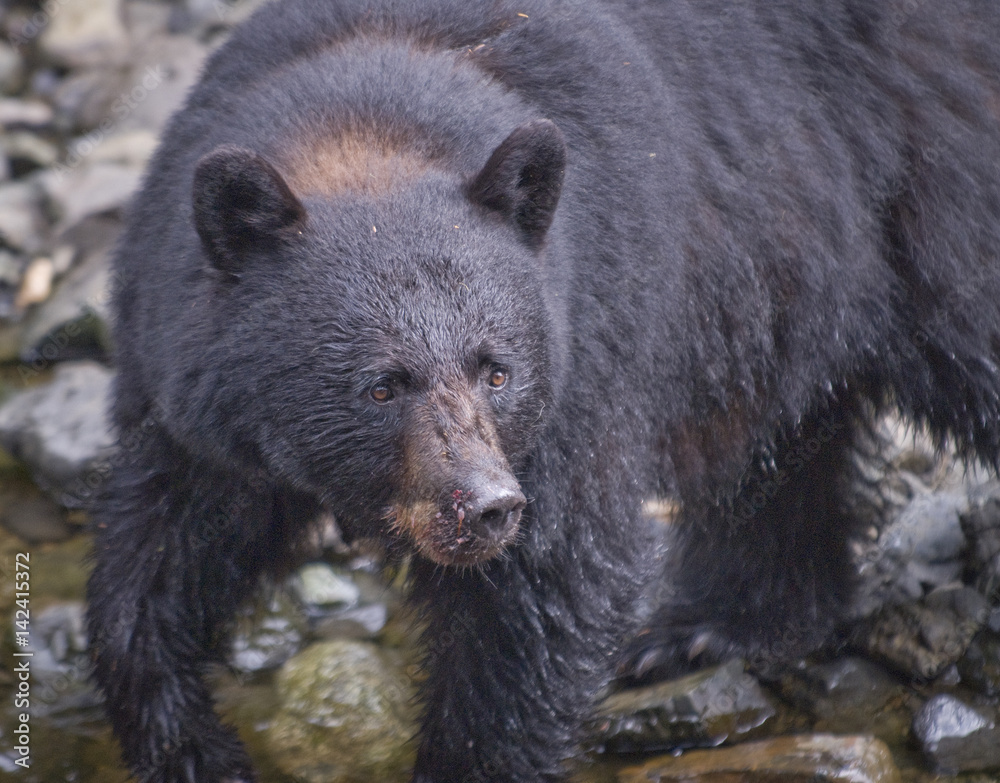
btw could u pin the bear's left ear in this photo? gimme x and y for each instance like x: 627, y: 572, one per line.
x: 523, y: 178
x: 240, y: 202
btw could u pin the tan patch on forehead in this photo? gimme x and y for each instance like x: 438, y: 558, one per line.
x: 359, y: 162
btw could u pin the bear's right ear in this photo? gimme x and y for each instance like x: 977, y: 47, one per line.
x: 523, y: 178
x: 240, y: 202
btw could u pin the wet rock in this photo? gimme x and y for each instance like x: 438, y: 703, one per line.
x: 269, y: 636
x: 956, y: 737
x: 85, y: 32
x: 60, y: 664
x: 980, y: 666
x: 814, y: 758
x: 346, y: 716
x: 923, y: 639
x: 850, y: 695
x: 359, y: 622
x: 59, y: 430
x: 318, y: 587
x: 706, y: 708
x: 335, y: 604
x: 981, y: 525
x: 927, y: 542
x: 35, y: 519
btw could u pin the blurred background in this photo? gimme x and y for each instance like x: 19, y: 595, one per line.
x: 323, y: 670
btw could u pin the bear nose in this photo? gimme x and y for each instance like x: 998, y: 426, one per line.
x: 494, y: 511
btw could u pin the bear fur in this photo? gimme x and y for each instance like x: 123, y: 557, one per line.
x: 482, y: 279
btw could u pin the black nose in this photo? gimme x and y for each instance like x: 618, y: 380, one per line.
x: 494, y: 511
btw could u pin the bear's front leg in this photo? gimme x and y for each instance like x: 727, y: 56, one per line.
x: 179, y: 546
x: 518, y: 650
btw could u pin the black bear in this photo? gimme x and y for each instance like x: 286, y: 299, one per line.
x: 481, y: 279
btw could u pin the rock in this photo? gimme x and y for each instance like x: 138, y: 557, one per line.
x: 36, y: 284
x: 72, y: 322
x: 956, y: 737
x: 817, y: 758
x: 11, y: 71
x: 924, y: 639
x: 850, y: 695
x: 927, y: 540
x: 35, y: 519
x: 268, y: 637
x: 980, y: 666
x: 89, y: 189
x: 27, y: 152
x: 359, y: 622
x: 60, y: 431
x: 163, y: 72
x: 346, y: 716
x: 981, y: 525
x: 30, y: 113
x: 84, y: 99
x: 85, y: 32
x: 131, y: 148
x: 317, y: 586
x: 21, y: 215
x: 706, y: 708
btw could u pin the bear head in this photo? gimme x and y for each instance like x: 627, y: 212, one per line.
x: 380, y: 336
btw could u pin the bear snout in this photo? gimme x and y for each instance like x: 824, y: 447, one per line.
x: 492, y: 512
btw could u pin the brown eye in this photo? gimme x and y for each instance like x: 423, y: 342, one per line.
x: 381, y: 393
x: 498, y: 378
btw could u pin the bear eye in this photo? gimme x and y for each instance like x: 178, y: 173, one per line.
x: 498, y: 378
x: 381, y: 392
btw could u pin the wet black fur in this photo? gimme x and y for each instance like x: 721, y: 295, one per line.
x: 776, y: 217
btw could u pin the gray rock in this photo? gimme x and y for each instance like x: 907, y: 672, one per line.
x: 850, y: 695
x: 11, y: 70
x: 26, y: 151
x: 85, y: 32
x: 347, y: 716
x: 981, y: 524
x: 72, y: 322
x: 923, y: 639
x: 30, y: 113
x: 956, y: 737
x: 268, y: 637
x: 89, y: 189
x: 35, y: 519
x: 60, y: 431
x: 705, y: 708
x: 318, y: 585
x: 980, y: 666
x: 21, y: 215
x: 811, y: 758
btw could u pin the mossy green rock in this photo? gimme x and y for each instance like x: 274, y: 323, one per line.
x: 347, y: 716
